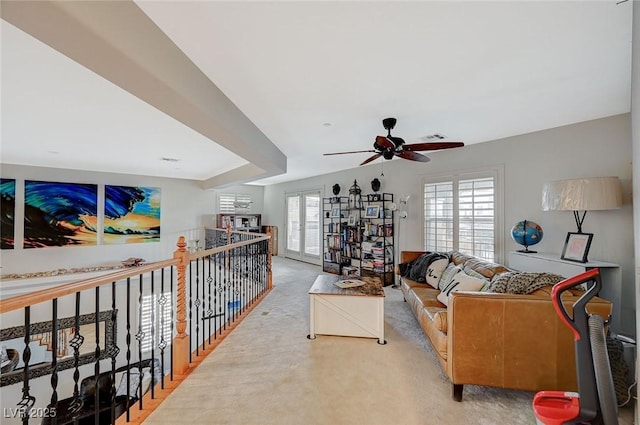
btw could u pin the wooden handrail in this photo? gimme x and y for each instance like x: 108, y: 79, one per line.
x: 43, y: 295
x: 47, y: 294
x: 229, y: 247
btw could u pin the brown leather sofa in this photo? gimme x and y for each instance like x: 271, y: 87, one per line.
x: 494, y: 339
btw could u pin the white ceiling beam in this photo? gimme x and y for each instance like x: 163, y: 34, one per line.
x: 119, y: 42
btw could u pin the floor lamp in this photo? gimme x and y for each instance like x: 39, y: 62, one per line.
x: 402, y: 215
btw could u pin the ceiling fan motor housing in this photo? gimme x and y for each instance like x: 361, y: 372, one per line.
x: 389, y: 123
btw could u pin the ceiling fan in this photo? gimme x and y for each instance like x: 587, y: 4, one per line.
x: 389, y: 146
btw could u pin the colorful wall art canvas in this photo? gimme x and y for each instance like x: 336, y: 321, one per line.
x: 131, y: 214
x: 59, y: 214
x: 7, y: 213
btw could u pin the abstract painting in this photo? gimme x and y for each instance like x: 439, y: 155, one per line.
x: 7, y: 213
x: 131, y: 214
x: 59, y: 214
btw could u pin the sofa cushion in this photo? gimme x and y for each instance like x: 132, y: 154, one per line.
x: 459, y: 258
x: 545, y: 292
x: 440, y: 319
x: 427, y: 296
x: 485, y: 268
x: 437, y: 338
x: 434, y: 271
x: 460, y: 282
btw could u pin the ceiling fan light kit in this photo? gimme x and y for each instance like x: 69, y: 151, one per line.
x: 389, y: 146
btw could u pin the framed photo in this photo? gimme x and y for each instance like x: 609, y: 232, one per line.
x: 335, y: 212
x: 576, y: 247
x: 372, y: 211
x: 352, y: 220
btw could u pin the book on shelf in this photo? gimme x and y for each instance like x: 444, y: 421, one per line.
x: 334, y: 241
x: 350, y: 271
x: 333, y: 256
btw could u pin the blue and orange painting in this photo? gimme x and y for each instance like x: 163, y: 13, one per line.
x: 131, y: 214
x: 59, y: 214
x: 7, y: 213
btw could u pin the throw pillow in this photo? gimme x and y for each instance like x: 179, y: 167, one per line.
x: 447, y: 275
x: 434, y: 271
x: 460, y: 282
x: 473, y: 273
x: 134, y: 382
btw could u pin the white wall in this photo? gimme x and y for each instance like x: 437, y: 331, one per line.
x: 635, y: 126
x: 594, y: 148
x: 256, y: 193
x: 184, y: 204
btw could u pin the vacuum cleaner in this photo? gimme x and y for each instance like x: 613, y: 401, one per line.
x: 595, y: 402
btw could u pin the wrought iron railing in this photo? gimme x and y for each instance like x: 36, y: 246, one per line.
x: 172, y: 313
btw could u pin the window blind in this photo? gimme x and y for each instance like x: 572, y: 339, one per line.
x: 460, y: 215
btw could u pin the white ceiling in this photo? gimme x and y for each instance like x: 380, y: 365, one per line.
x: 473, y: 71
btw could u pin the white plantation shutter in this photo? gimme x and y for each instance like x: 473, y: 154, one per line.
x: 438, y: 205
x: 460, y: 214
x: 226, y: 202
x: 157, y: 318
x: 476, y: 217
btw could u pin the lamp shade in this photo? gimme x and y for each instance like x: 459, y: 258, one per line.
x: 587, y: 194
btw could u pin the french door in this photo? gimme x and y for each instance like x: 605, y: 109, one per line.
x: 303, y: 226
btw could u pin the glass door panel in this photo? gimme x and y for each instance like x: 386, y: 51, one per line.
x: 303, y: 226
x: 312, y: 224
x: 293, y: 224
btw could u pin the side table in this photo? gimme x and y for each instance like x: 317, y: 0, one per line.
x: 610, y: 274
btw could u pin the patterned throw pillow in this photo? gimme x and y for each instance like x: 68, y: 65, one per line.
x: 435, y: 270
x: 447, y: 274
x: 460, y: 282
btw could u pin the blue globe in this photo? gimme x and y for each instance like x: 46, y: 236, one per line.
x: 526, y: 233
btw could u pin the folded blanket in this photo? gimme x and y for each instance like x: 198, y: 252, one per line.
x: 417, y: 269
x: 522, y: 282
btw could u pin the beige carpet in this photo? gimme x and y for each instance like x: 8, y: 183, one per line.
x: 268, y: 372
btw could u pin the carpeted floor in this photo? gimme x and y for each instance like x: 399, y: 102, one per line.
x: 268, y: 372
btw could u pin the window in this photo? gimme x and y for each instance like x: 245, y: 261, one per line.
x: 234, y: 202
x: 460, y: 213
x: 156, y: 316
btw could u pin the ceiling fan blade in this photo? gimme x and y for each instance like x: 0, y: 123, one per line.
x: 342, y: 153
x: 432, y: 146
x: 384, y: 142
x: 413, y: 156
x: 372, y: 158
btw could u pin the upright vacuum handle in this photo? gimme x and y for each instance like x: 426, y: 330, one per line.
x: 562, y: 286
